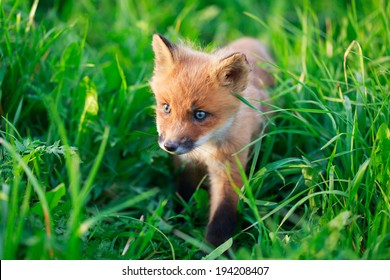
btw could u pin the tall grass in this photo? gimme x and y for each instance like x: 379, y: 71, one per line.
x: 83, y: 178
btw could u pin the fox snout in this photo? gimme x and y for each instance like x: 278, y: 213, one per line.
x: 177, y: 146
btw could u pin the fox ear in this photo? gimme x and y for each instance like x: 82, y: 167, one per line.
x: 233, y: 71
x: 164, y: 52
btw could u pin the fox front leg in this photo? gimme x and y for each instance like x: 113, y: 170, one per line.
x: 223, y: 209
x: 189, y: 177
x: 222, y: 223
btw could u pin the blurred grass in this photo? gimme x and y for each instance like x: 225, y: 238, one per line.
x: 79, y: 162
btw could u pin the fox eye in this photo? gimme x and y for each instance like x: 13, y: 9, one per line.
x: 166, y: 109
x: 200, y: 115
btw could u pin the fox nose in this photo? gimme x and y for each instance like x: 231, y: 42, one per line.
x: 171, y: 146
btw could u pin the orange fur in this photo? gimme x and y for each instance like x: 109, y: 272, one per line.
x: 199, y: 119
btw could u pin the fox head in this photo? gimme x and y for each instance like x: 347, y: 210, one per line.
x: 194, y: 94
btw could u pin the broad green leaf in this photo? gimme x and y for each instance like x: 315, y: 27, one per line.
x: 53, y: 198
x: 91, y: 106
x: 340, y: 221
x: 355, y: 184
x: 382, y: 154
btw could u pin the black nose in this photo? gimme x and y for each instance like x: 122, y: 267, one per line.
x: 171, y: 146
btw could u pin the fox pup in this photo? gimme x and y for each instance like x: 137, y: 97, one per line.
x: 201, y: 121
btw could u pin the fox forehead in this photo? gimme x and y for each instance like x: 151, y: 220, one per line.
x: 185, y: 91
x: 189, y: 96
x: 191, y: 86
x: 186, y: 80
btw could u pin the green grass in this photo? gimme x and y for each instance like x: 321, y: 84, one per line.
x: 82, y: 176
